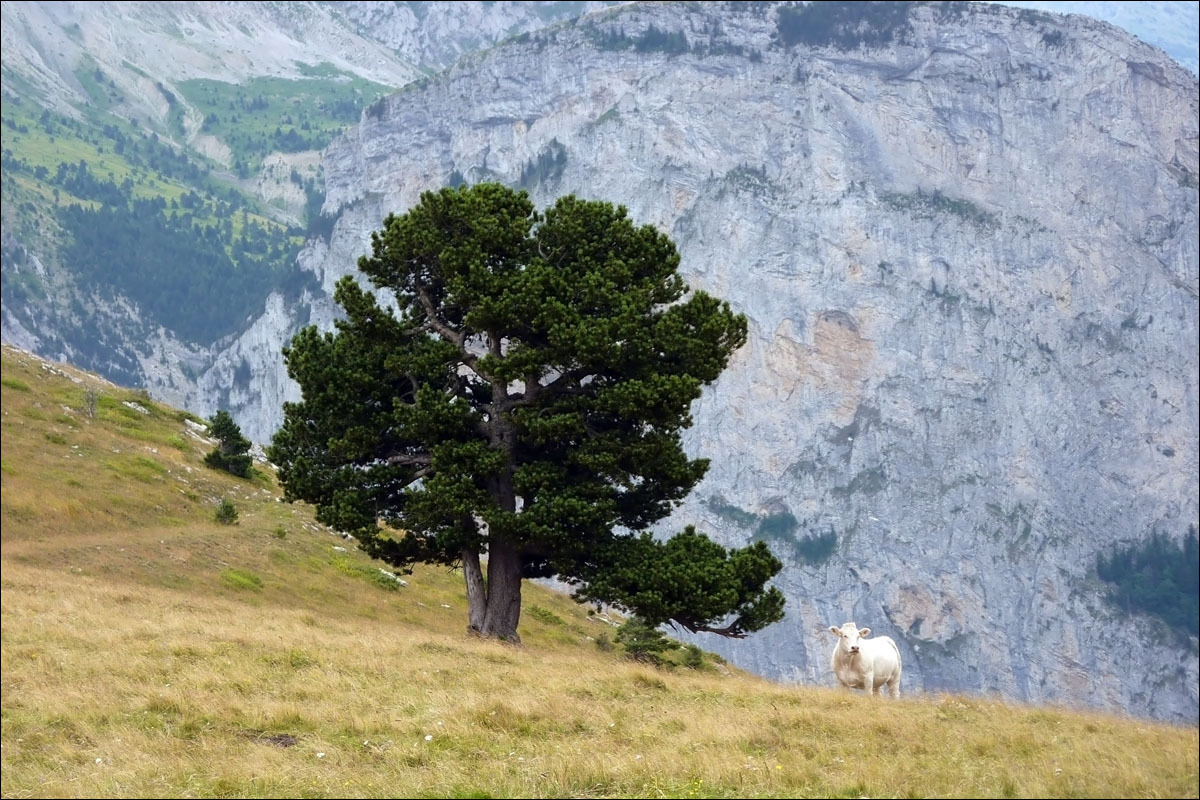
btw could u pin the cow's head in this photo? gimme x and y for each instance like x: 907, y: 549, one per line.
x: 848, y: 636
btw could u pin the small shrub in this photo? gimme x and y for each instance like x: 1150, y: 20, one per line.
x: 644, y: 681
x: 643, y: 642
x: 294, y: 658
x: 384, y: 580
x: 604, y: 644
x: 280, y: 532
x: 693, y: 657
x: 226, y: 513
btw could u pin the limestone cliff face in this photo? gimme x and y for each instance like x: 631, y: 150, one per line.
x: 969, y: 258
x: 438, y: 34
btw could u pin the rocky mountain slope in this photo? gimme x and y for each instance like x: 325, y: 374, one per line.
x: 389, y: 43
x: 966, y: 241
x: 226, y: 103
x: 1169, y: 24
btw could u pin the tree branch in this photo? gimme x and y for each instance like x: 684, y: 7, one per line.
x: 731, y: 631
x: 434, y: 323
x: 423, y: 459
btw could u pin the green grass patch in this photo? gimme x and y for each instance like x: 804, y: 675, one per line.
x: 368, y: 571
x: 242, y: 579
x: 265, y: 115
x: 138, y: 468
x: 544, y: 616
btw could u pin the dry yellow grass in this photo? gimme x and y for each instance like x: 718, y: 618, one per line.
x: 150, y: 652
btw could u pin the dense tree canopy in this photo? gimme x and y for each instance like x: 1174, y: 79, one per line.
x: 522, y: 398
x: 1157, y: 576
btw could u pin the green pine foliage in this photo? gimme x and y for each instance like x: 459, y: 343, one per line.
x: 226, y: 512
x: 1159, y: 577
x: 232, y: 452
x: 651, y: 40
x: 644, y: 642
x: 524, y: 401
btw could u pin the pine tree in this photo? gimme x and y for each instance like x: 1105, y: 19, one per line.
x: 523, y: 401
x: 232, y: 452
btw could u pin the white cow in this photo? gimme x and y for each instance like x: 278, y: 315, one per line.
x: 867, y: 664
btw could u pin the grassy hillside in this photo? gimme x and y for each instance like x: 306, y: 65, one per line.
x: 150, y: 651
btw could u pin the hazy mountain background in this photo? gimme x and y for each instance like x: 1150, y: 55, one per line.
x: 162, y: 160
x: 224, y: 108
x: 1171, y: 26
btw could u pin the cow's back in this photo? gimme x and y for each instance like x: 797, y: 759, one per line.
x: 885, y: 655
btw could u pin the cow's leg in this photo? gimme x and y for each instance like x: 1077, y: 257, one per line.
x: 869, y: 683
x: 894, y: 687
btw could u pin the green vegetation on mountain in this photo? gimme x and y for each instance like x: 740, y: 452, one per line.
x: 651, y: 40
x: 134, y: 216
x: 413, y: 417
x: 129, y: 666
x: 548, y: 166
x: 1159, y: 577
x: 187, y: 265
x: 781, y: 529
x: 266, y: 114
x: 129, y: 209
x: 842, y: 25
x: 708, y: 42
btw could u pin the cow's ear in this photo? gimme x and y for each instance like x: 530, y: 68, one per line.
x: 864, y: 632
x: 836, y: 631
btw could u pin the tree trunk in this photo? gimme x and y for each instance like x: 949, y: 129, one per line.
x: 476, y: 591
x: 504, y: 561
x: 503, y: 592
